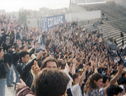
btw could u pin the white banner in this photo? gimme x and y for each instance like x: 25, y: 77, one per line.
x: 50, y: 22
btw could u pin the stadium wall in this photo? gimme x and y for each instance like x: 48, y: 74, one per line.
x: 83, y: 16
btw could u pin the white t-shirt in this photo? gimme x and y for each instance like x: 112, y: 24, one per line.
x: 76, y: 90
x: 71, y: 80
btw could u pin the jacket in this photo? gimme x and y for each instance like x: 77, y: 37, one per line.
x: 3, y: 69
x: 25, y: 72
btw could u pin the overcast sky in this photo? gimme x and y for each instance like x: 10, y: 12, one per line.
x: 15, y: 5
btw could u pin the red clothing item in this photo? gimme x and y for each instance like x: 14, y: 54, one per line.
x: 26, y: 91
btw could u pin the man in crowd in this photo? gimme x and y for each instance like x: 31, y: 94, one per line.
x: 50, y: 82
x: 24, y: 68
x: 3, y: 72
x: 69, y: 43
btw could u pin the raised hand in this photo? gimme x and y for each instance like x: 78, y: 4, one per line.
x: 20, y: 85
x: 35, y: 68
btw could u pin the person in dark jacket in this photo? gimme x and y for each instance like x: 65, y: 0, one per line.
x: 24, y: 68
x: 8, y: 60
x: 2, y: 73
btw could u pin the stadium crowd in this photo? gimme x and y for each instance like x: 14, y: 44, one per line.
x: 68, y: 60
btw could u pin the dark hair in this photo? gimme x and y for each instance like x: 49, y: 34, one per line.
x: 123, y: 74
x: 105, y: 78
x: 76, y: 75
x: 114, y: 90
x: 23, y: 54
x: 51, y: 83
x: 61, y: 64
x: 94, y: 77
x: 48, y: 59
x: 122, y: 81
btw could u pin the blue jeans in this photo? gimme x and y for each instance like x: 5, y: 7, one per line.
x: 2, y: 87
x: 10, y: 76
x: 17, y: 75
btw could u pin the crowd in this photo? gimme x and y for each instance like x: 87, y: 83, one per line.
x: 68, y: 60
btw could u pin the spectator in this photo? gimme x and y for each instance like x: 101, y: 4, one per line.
x: 24, y: 68
x: 114, y: 90
x: 49, y: 62
x: 49, y: 83
x: 3, y: 72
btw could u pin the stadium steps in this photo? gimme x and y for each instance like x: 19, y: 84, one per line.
x: 109, y: 31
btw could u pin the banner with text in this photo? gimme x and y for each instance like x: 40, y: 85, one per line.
x: 51, y: 21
